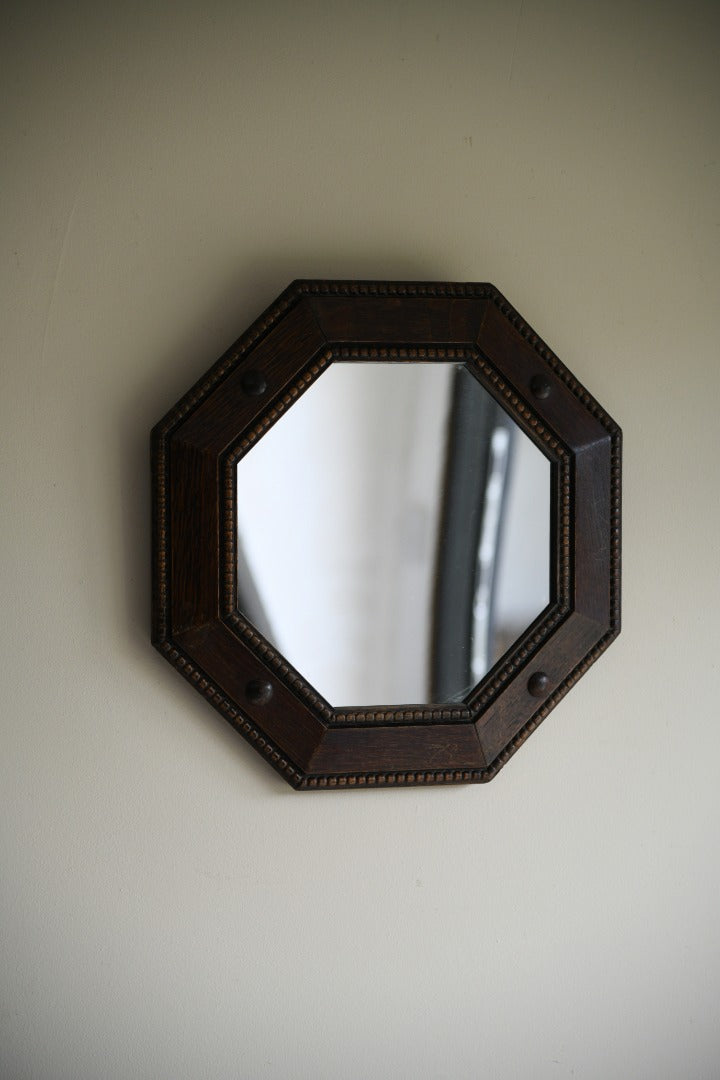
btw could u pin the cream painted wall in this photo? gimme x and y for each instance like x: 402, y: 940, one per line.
x: 168, y: 908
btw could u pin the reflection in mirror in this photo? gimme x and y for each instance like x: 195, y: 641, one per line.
x: 393, y: 534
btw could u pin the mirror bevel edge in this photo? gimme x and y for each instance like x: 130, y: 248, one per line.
x: 521, y: 651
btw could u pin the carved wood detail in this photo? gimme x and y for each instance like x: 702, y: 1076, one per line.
x: 503, y: 352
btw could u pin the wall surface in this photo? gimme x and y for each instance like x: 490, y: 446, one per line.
x: 168, y: 907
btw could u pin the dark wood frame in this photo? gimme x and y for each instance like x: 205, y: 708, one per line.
x: 195, y: 448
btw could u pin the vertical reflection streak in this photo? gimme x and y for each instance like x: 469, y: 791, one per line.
x: 488, y: 551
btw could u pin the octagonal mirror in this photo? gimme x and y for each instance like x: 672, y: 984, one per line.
x: 394, y: 534
x: 386, y: 533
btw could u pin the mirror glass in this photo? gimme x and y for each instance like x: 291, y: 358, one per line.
x: 393, y: 533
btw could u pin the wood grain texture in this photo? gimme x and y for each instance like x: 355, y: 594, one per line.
x: 195, y: 449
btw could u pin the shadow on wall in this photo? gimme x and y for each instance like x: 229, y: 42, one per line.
x: 192, y: 346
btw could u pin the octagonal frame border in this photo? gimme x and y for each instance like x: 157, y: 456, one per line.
x: 194, y: 450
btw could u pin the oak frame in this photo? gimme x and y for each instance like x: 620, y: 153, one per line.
x: 195, y: 621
